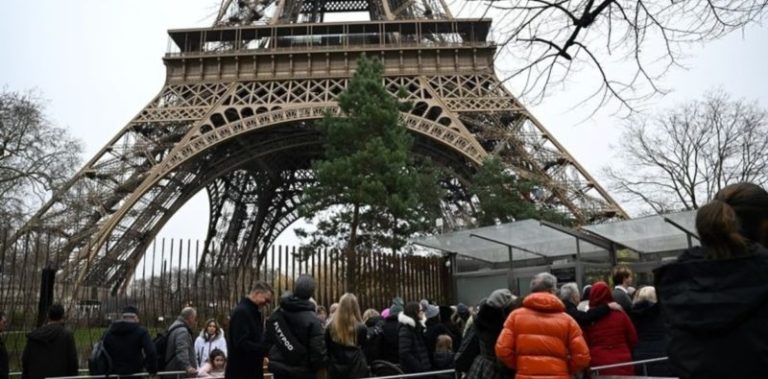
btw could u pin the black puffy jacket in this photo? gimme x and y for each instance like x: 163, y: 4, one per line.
x: 131, y: 348
x: 50, y: 351
x: 717, y: 312
x: 347, y: 361
x: 388, y: 345
x: 414, y: 356
x: 374, y: 336
x: 300, y: 316
x: 443, y: 361
x: 434, y: 330
x: 652, y: 337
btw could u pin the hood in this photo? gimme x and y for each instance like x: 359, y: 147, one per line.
x: 295, y: 304
x: 600, y: 294
x: 123, y: 327
x: 207, y: 338
x: 706, y: 295
x: 645, y: 309
x: 407, y: 320
x: 47, y: 333
x: 544, y: 302
x: 374, y: 321
x: 490, y: 318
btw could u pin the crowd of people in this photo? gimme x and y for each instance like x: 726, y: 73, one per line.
x: 708, y: 317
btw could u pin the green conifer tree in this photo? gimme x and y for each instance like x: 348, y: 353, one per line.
x: 369, y: 192
x: 504, y: 197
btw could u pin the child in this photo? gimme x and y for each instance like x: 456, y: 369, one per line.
x: 444, y: 355
x: 214, y: 368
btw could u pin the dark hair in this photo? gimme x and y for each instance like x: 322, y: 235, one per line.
x: 731, y: 219
x: 620, y: 273
x: 262, y: 286
x: 215, y: 353
x: 412, y: 310
x: 321, y: 309
x: 56, y: 312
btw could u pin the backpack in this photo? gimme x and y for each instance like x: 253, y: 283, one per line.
x: 100, y: 362
x: 161, y: 345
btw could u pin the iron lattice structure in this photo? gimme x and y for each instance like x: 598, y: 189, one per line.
x: 235, y: 118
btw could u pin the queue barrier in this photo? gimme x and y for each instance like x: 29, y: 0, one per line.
x: 161, y: 374
x: 643, y: 363
x: 182, y: 374
x: 416, y: 375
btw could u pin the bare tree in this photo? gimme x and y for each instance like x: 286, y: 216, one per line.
x: 624, y: 46
x: 35, y: 157
x: 681, y: 158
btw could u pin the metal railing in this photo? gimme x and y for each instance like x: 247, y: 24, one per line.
x: 176, y: 374
x: 644, y: 363
x: 416, y: 375
x: 166, y: 374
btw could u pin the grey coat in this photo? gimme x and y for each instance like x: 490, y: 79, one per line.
x: 181, y: 348
x: 623, y: 299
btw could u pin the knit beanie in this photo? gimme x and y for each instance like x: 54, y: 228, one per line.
x: 429, y: 309
x: 397, y: 306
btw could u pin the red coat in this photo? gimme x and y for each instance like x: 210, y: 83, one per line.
x: 541, y: 341
x: 612, y: 338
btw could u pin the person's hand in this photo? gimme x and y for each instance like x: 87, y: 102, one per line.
x: 191, y: 371
x: 615, y: 306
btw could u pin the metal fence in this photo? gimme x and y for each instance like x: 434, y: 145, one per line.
x: 641, y: 368
x: 170, y: 276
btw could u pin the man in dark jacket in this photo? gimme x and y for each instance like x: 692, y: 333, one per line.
x: 245, y: 342
x: 569, y: 294
x: 716, y: 310
x: 3, y: 351
x: 50, y: 350
x: 295, y: 335
x: 129, y: 345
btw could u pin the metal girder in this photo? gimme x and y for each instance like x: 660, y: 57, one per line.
x: 249, y: 12
x: 235, y: 117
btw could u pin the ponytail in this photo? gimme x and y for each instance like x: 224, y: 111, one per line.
x: 733, y: 219
x: 718, y: 228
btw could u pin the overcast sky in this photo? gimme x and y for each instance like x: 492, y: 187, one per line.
x: 98, y: 62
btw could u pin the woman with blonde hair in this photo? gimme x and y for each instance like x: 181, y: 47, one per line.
x: 374, y: 325
x: 652, y: 337
x: 345, y: 338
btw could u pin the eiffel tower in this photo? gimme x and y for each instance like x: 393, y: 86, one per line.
x: 235, y: 117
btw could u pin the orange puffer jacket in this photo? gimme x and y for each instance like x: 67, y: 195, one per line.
x: 541, y: 341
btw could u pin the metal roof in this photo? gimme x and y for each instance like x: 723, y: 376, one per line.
x: 530, y: 239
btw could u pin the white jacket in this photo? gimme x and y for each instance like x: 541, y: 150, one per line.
x: 204, y: 348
